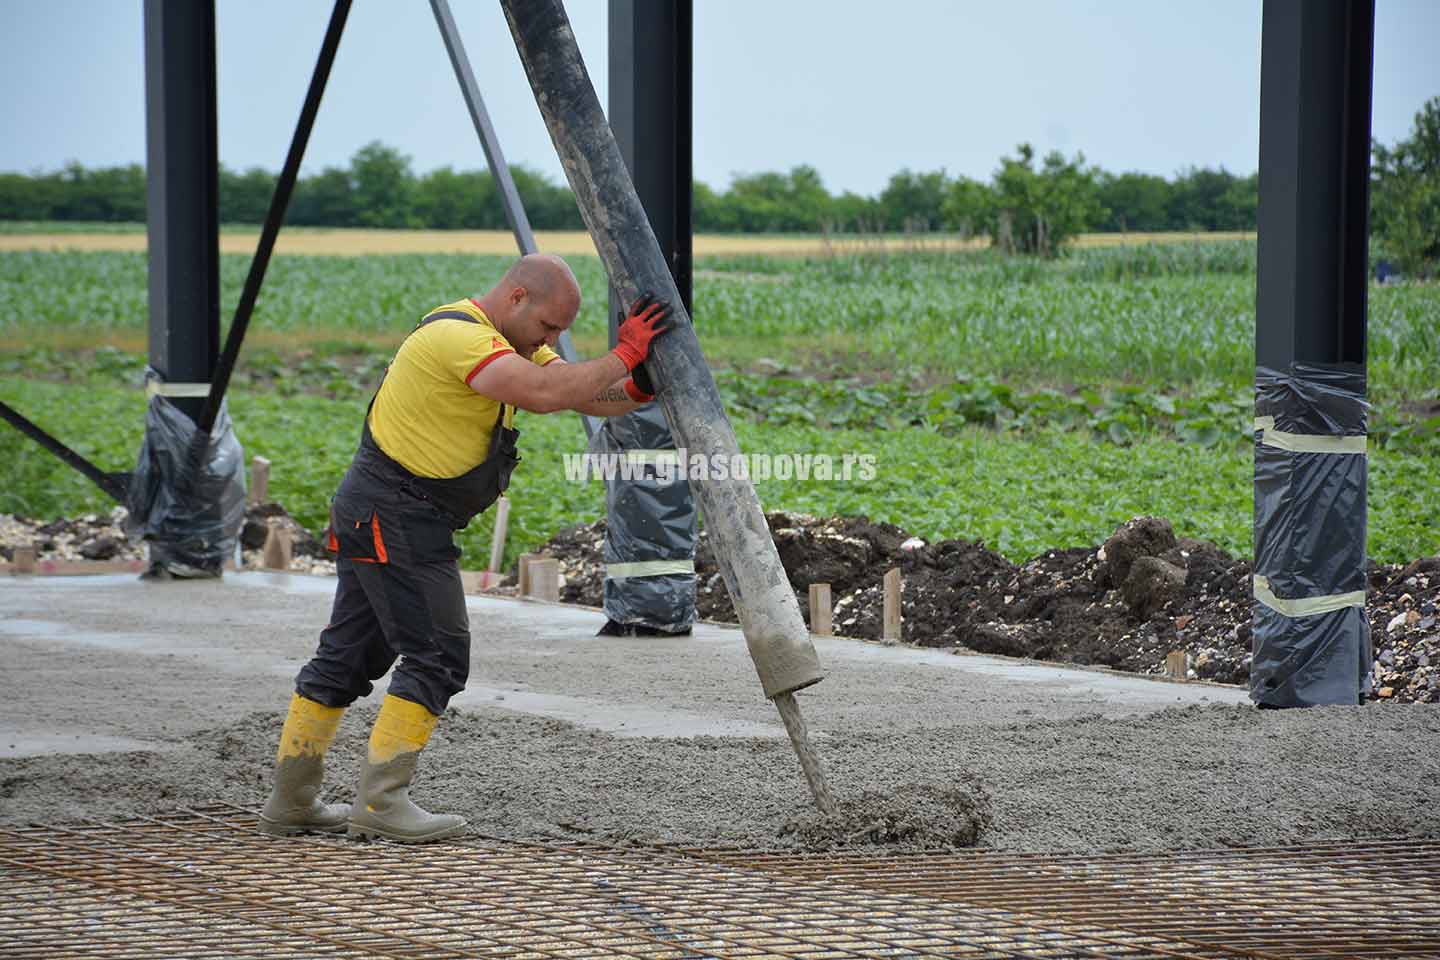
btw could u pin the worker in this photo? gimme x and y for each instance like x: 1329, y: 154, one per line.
x: 437, y: 448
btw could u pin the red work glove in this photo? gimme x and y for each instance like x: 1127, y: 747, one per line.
x: 635, y: 393
x: 648, y: 318
x: 640, y: 376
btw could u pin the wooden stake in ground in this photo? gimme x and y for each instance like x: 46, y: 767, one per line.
x: 23, y: 559
x: 775, y: 632
x: 259, y: 481
x: 1177, y: 665
x: 497, y: 540
x: 890, y: 628
x: 545, y: 579
x: 278, y: 548
x: 820, y: 609
x: 523, y: 576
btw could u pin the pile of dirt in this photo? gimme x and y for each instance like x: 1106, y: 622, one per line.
x: 581, y: 552
x: 1404, y: 608
x: 90, y: 537
x: 307, y: 553
x: 1124, y: 604
x: 104, y: 537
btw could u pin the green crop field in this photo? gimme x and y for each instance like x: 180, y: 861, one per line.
x: 1032, y: 404
x: 1169, y: 315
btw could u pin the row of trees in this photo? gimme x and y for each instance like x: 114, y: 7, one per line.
x: 1028, y: 205
x: 1031, y: 204
x: 377, y: 189
x: 1405, y: 196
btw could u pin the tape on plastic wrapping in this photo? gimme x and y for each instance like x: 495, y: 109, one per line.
x: 648, y: 568
x: 1305, y: 606
x: 1306, y: 442
x: 167, y: 389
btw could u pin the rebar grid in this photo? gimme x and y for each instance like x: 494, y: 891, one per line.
x: 205, y: 884
x: 1341, y: 899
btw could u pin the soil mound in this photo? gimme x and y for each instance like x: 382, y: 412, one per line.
x: 89, y: 537
x: 105, y: 537
x: 1125, y: 604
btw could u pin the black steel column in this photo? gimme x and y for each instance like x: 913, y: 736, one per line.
x: 650, y: 84
x: 187, y: 495
x: 182, y: 175
x: 651, y: 521
x: 1315, y: 79
x: 1311, y: 636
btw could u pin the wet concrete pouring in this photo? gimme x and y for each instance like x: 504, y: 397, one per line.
x: 122, y: 698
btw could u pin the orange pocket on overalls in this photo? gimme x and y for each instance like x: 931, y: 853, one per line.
x: 357, y: 535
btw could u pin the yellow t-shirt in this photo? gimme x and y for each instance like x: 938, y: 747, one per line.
x: 425, y: 415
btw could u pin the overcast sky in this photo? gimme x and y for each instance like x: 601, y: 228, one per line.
x: 856, y: 88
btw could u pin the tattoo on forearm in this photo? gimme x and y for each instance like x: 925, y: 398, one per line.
x: 612, y: 395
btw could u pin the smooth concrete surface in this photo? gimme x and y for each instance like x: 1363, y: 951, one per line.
x: 112, y: 663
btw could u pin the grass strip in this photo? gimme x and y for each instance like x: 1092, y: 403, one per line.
x: 1022, y: 494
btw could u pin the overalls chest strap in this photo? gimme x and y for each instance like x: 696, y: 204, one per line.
x: 464, y: 497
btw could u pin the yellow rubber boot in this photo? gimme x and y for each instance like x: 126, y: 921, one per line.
x: 383, y: 807
x: 294, y: 805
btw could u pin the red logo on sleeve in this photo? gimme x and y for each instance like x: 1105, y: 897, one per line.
x: 497, y: 344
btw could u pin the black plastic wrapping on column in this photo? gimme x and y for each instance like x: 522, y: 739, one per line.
x: 650, y: 515
x: 1310, y: 538
x: 190, y: 523
x: 1309, y: 661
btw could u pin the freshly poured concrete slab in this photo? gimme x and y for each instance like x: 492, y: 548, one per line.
x: 123, y: 697
x: 132, y: 661
x: 15, y: 742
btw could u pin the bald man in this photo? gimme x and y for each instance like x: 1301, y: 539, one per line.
x: 436, y: 449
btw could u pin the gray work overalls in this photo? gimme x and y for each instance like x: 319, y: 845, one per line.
x: 399, y: 592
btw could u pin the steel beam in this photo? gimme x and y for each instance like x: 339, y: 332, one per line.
x: 182, y: 185
x: 1315, y: 93
x: 115, y: 485
x: 489, y: 142
x: 650, y: 114
x: 274, y: 217
x: 1311, y: 639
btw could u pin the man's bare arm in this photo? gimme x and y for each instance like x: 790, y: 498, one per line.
x: 610, y: 402
x: 556, y: 386
x: 574, y: 386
